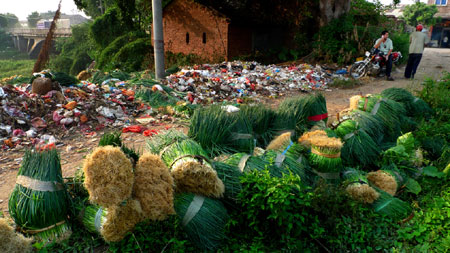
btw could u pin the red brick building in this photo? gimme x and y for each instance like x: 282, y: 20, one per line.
x: 193, y: 28
x: 440, y: 33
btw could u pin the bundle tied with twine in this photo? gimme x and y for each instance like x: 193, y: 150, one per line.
x: 358, y: 188
x: 387, y: 180
x: 165, y: 138
x: 283, y: 164
x: 284, y: 144
x: 415, y: 107
x: 369, y: 123
x: 221, y: 130
x: 290, y: 117
x: 229, y: 175
x: 153, y: 187
x: 298, y: 114
x: 114, y: 139
x: 115, y: 222
x: 261, y: 119
x: 39, y: 203
x: 389, y: 111
x: 305, y: 139
x: 191, y: 169
x: 247, y: 163
x: 109, y: 176
x: 203, y: 220
x: 325, y: 156
x: 13, y: 242
x: 359, y: 149
x: 391, y: 206
x: 317, y: 110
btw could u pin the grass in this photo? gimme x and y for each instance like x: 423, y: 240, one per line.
x: 10, y: 68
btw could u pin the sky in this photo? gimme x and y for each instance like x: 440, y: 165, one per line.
x: 23, y: 8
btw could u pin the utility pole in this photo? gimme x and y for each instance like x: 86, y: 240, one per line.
x: 158, y: 42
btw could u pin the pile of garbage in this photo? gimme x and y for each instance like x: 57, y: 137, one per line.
x: 30, y: 119
x: 233, y: 81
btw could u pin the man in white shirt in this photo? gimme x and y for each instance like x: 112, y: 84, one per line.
x: 384, y: 44
x: 417, y: 41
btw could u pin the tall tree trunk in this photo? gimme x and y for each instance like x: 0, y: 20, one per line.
x: 331, y: 9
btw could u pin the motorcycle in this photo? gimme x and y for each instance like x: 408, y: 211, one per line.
x: 374, y: 64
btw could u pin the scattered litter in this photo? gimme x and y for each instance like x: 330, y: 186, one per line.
x: 231, y: 81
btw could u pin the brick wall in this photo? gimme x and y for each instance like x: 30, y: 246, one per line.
x: 184, y: 17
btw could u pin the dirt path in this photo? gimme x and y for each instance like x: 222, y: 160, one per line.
x: 75, y: 148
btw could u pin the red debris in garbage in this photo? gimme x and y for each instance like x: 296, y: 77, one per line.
x: 150, y: 132
x: 134, y: 129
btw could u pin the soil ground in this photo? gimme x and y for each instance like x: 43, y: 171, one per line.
x: 73, y: 148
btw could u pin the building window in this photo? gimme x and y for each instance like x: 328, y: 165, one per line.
x: 187, y: 38
x: 441, y: 2
x: 204, y: 38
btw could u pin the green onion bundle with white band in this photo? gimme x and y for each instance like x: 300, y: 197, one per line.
x: 243, y: 162
x: 219, y: 131
x: 203, y: 219
x: 359, y: 148
x: 37, y: 185
x: 193, y: 209
x: 39, y: 202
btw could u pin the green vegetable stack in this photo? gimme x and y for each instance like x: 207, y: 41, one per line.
x: 39, y: 202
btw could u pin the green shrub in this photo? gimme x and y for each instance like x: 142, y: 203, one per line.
x: 437, y: 95
x: 351, y: 226
x: 155, y: 236
x: 81, y: 62
x: 61, y: 63
x: 73, y: 54
x: 107, y: 28
x: 401, y: 43
x: 134, y: 56
x: 429, y: 230
x: 106, y: 56
x: 276, y: 211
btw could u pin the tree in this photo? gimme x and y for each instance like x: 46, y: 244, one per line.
x: 3, y: 21
x: 9, y: 20
x: 420, y: 13
x: 94, y: 8
x: 332, y: 9
x: 33, y: 18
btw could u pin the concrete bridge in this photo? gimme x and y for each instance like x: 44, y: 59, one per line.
x: 30, y: 40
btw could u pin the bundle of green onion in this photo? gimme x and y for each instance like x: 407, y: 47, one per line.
x: 191, y: 169
x: 94, y: 217
x: 115, y: 140
x: 219, y: 131
x: 157, y: 97
x: 39, y: 202
x: 325, y: 157
x: 357, y: 186
x: 203, y: 219
x: 359, y: 148
x: 389, y: 111
x: 261, y: 119
x: 230, y: 177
